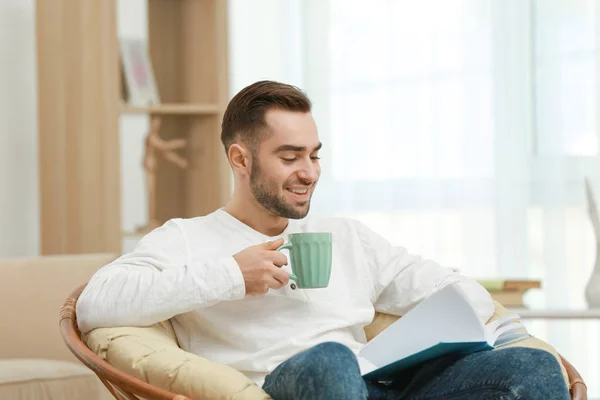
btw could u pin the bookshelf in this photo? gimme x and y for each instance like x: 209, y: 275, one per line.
x: 79, y: 106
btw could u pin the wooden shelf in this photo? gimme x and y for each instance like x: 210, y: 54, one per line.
x: 172, y: 109
x: 80, y: 90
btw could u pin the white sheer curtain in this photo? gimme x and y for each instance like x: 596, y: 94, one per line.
x: 461, y: 129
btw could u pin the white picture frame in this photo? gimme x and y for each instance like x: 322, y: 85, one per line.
x: 140, y: 84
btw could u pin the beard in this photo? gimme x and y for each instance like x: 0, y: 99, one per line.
x: 266, y: 192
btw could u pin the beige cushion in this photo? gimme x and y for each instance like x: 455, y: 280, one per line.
x: 152, y: 355
x: 32, y: 379
x: 32, y: 291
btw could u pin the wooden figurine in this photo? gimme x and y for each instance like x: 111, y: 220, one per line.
x: 156, y: 146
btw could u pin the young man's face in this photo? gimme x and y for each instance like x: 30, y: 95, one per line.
x: 285, y: 168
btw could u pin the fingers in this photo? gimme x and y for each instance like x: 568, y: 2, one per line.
x: 272, y: 244
x: 270, y: 254
x: 281, y: 276
x: 264, y: 270
x: 271, y: 282
x: 278, y: 258
x: 258, y: 290
x: 275, y: 283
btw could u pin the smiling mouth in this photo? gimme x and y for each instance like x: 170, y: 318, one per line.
x: 300, y: 194
x: 299, y: 191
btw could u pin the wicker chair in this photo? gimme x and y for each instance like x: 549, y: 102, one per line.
x: 126, y: 387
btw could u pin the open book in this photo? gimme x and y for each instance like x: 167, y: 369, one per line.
x: 442, y: 324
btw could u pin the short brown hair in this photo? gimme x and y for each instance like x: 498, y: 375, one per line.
x: 244, y: 117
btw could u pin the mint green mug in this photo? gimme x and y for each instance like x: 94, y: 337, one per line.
x: 310, y: 256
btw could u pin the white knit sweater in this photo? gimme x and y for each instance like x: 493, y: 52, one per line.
x: 185, y: 271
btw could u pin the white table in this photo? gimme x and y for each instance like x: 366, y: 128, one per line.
x: 526, y: 313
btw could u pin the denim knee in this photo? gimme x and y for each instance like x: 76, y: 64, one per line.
x: 336, y: 369
x: 333, y: 352
x: 327, y: 371
x: 330, y: 359
x: 531, y: 373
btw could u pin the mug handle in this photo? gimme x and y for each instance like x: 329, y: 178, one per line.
x: 284, y: 247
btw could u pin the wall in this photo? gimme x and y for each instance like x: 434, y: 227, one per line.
x: 265, y: 42
x: 19, y: 215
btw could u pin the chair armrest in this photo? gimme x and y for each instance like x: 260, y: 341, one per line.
x: 152, y: 355
x: 577, y: 386
x: 532, y: 342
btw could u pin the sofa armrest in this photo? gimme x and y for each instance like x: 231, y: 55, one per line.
x: 152, y: 355
x: 532, y: 342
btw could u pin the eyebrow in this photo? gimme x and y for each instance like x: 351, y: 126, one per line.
x: 291, y: 147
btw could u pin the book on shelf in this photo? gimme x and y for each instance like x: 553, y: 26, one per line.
x: 442, y: 324
x: 513, y: 298
x: 509, y: 292
x: 498, y: 285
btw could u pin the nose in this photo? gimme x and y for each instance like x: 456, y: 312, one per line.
x: 309, y: 172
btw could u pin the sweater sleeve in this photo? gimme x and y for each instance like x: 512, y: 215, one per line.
x: 155, y: 282
x: 402, y: 280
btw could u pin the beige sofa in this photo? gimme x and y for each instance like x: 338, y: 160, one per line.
x: 34, y: 361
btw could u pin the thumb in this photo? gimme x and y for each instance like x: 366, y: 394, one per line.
x: 272, y: 244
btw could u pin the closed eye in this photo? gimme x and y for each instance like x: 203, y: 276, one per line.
x: 291, y: 160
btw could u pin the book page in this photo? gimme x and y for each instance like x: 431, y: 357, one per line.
x: 505, y: 329
x: 509, y: 318
x: 511, y: 338
x: 446, y: 316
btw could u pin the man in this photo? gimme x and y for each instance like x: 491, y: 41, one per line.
x: 225, y: 287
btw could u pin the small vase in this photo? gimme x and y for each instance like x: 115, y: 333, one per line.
x: 592, y: 290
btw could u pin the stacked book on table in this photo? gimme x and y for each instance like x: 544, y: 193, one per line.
x: 509, y: 292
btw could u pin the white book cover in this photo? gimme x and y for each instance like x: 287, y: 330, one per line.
x: 442, y: 324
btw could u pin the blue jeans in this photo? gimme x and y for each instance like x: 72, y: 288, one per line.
x: 330, y: 371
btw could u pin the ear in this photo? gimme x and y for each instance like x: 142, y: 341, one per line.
x: 239, y: 157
